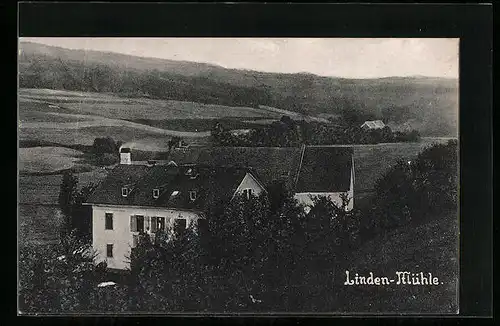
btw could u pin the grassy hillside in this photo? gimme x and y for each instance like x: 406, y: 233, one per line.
x: 431, y: 247
x: 427, y: 104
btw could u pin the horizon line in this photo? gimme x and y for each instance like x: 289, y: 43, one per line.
x: 237, y: 69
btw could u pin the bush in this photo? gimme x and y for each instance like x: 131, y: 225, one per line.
x: 106, y: 159
x: 105, y: 145
x: 414, y: 190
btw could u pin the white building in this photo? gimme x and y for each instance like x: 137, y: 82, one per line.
x: 149, y: 198
x: 371, y: 125
x: 135, y: 199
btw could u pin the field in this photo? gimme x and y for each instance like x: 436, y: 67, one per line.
x: 68, y: 118
x: 39, y: 215
x: 372, y: 161
x: 115, y: 107
x: 46, y: 159
x: 65, y: 118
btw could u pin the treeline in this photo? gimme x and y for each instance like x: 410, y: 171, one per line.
x: 289, y: 133
x: 259, y: 254
x: 47, y: 72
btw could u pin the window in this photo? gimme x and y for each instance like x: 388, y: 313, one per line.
x: 140, y: 223
x: 247, y: 193
x: 160, y: 221
x: 192, y: 195
x: 156, y: 193
x: 157, y: 224
x: 109, y: 250
x: 137, y: 223
x: 124, y: 191
x: 109, y: 221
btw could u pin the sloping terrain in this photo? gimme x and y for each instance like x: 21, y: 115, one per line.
x: 431, y: 247
x: 427, y: 104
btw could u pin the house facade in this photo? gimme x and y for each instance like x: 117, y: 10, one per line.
x: 138, y: 198
x: 150, y: 197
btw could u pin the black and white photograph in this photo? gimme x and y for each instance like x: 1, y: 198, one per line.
x: 238, y: 175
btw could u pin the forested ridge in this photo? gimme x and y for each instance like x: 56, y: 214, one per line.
x: 428, y: 104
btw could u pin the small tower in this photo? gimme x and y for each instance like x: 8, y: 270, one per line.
x: 125, y: 156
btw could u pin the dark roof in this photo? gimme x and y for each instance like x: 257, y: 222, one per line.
x: 219, y: 171
x: 268, y: 164
x: 109, y: 190
x: 325, y: 169
x: 173, y: 182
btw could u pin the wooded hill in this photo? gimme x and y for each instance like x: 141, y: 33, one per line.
x: 429, y: 105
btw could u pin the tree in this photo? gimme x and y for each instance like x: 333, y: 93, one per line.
x: 57, y: 279
x: 414, y: 190
x: 81, y: 216
x: 67, y: 195
x: 105, y: 151
x: 104, y: 145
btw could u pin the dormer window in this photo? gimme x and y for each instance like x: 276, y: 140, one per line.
x: 192, y: 195
x: 156, y: 193
x: 247, y: 193
x: 124, y: 191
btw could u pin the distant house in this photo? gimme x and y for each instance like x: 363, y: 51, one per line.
x: 371, y: 125
x: 151, y: 196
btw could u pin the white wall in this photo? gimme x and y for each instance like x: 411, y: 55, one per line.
x: 250, y: 182
x: 121, y: 236
x: 305, y: 197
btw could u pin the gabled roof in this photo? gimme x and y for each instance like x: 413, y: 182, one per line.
x: 109, y: 190
x: 218, y: 171
x: 325, y: 169
x: 174, y: 185
x: 268, y: 164
x: 375, y: 124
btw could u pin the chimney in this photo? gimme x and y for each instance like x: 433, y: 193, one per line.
x: 125, y: 156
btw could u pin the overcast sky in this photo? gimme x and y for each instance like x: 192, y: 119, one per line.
x: 341, y: 57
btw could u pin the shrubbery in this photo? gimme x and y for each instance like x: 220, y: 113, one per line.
x: 256, y: 254
x: 288, y: 132
x: 105, y: 151
x: 413, y: 190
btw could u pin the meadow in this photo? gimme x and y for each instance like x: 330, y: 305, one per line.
x: 47, y: 159
x: 372, y: 161
x: 63, y: 119
x: 39, y: 215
